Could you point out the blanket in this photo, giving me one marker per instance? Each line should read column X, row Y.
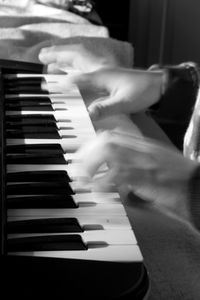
column 24, row 32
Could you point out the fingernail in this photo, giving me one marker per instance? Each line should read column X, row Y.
column 41, row 55
column 94, row 113
column 43, row 50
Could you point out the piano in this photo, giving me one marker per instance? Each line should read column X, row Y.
column 57, row 239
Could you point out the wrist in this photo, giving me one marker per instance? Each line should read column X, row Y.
column 159, row 83
column 162, row 80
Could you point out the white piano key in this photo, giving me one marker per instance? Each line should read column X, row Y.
column 67, row 144
column 95, row 197
column 117, row 253
column 72, row 132
column 73, row 114
column 98, row 209
column 49, row 77
column 71, row 98
column 110, row 237
column 76, row 125
column 89, row 221
column 37, row 167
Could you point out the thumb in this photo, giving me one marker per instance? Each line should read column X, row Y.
column 80, row 79
column 54, row 68
column 104, row 107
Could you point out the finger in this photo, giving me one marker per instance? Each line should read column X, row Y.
column 105, row 182
column 58, row 68
column 57, row 54
column 94, row 155
column 54, row 68
column 101, row 182
column 105, row 107
column 47, row 55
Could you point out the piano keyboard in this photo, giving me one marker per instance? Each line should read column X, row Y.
column 48, row 214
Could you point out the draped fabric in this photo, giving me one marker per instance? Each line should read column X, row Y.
column 23, row 32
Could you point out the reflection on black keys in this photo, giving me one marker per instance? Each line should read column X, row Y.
column 24, row 100
column 35, row 154
column 35, row 128
column 38, row 176
column 41, row 201
column 37, row 133
column 35, row 158
column 26, row 85
column 30, row 119
column 50, row 225
column 28, row 107
column 42, row 188
column 46, row 243
column 16, row 81
column 25, row 89
column 35, row 148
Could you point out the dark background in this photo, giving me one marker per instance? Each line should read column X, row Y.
column 164, row 31
column 115, row 15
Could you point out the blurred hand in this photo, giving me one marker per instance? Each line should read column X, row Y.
column 124, row 90
column 87, row 54
column 149, row 169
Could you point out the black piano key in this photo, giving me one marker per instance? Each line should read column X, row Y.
column 28, row 89
column 32, row 135
column 41, row 201
column 29, row 107
column 38, row 176
column 23, row 100
column 50, row 225
column 34, row 127
column 27, row 84
column 30, row 119
column 15, row 87
column 37, row 133
column 30, row 100
column 34, row 148
column 40, row 133
column 33, row 158
column 29, row 123
column 31, row 80
column 46, row 243
column 31, row 128
column 42, row 188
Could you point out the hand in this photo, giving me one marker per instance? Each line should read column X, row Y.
column 125, row 90
column 149, row 169
column 87, row 54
